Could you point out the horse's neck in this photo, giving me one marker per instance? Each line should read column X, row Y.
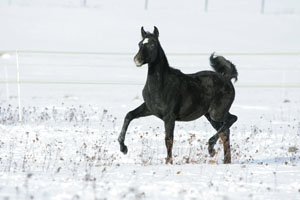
column 158, row 70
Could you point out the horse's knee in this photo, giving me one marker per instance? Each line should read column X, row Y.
column 223, row 117
column 129, row 116
column 169, row 139
column 233, row 118
column 216, row 116
column 230, row 119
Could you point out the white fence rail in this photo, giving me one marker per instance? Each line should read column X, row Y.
column 254, row 6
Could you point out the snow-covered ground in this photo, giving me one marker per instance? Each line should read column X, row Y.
column 74, row 104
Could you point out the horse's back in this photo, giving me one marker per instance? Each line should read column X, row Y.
column 206, row 74
column 213, row 79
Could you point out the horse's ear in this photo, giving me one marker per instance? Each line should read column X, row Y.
column 143, row 32
column 155, row 32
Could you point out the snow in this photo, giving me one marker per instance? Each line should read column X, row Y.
column 74, row 104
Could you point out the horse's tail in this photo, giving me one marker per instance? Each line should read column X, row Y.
column 224, row 67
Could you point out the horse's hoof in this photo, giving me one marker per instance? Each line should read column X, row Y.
column 169, row 161
column 212, row 152
column 124, row 149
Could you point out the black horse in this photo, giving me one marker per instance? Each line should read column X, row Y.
column 173, row 96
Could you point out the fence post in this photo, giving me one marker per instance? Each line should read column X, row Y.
column 6, row 84
column 146, row 4
column 19, row 89
column 84, row 3
column 262, row 9
column 206, row 6
column 6, row 56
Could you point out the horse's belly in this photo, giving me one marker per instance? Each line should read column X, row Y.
column 191, row 115
column 193, row 108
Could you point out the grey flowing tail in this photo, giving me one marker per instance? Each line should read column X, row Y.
column 224, row 67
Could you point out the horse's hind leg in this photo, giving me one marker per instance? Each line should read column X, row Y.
column 223, row 132
column 140, row 111
column 213, row 140
column 225, row 136
column 228, row 121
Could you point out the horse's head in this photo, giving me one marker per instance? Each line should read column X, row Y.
column 148, row 48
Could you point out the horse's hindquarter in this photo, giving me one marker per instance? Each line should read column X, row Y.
column 200, row 90
column 220, row 87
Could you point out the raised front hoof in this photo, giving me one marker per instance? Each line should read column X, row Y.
column 124, row 149
column 169, row 161
column 211, row 151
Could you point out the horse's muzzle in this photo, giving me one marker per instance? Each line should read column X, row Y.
column 137, row 59
column 137, row 62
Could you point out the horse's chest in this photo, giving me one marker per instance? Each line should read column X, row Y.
column 155, row 101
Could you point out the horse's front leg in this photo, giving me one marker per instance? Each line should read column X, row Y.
column 141, row 111
column 169, row 128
